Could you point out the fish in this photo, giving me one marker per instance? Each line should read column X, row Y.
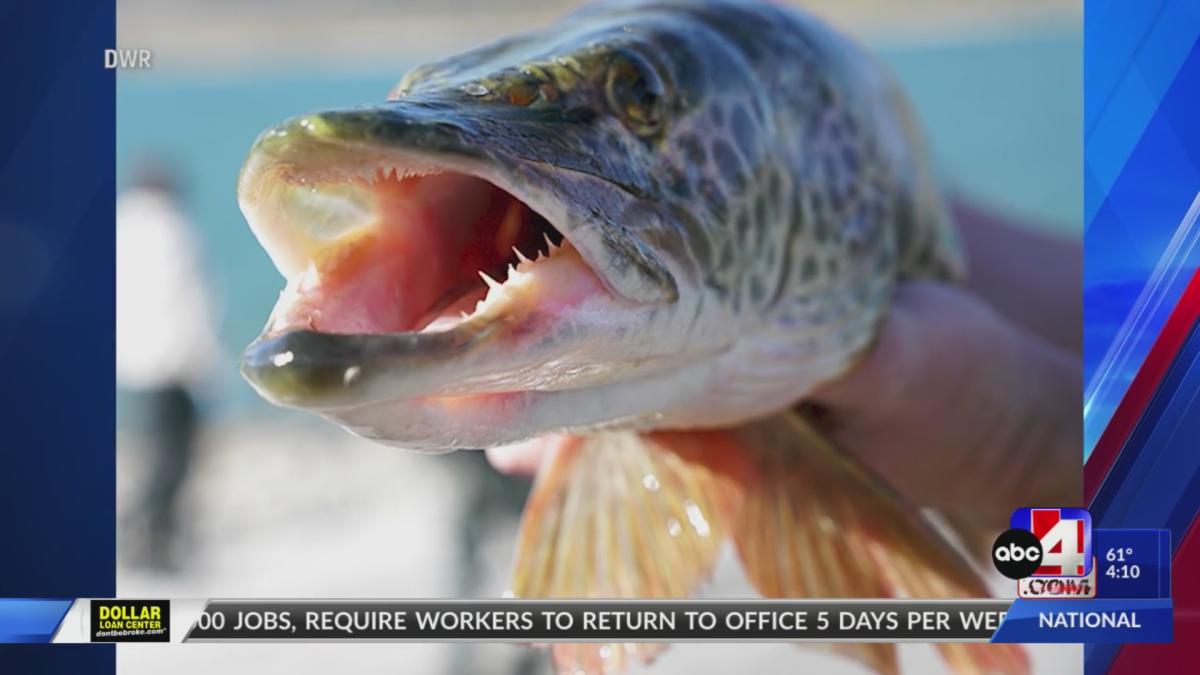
column 641, row 237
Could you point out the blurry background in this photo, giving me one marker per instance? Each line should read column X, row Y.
column 242, row 499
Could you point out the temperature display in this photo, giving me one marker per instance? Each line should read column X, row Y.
column 1133, row 563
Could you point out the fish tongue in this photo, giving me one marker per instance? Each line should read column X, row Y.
column 385, row 276
column 379, row 282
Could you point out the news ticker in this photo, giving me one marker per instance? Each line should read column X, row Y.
column 546, row 621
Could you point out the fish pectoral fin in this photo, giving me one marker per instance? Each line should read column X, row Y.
column 817, row 524
column 618, row 515
column 628, row 515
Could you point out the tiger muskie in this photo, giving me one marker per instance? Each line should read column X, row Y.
column 642, row 234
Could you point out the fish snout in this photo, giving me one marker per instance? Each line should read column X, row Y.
column 303, row 368
column 314, row 370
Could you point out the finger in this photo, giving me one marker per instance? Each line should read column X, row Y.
column 933, row 339
column 951, row 388
column 520, row 459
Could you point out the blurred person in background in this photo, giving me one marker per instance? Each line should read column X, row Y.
column 166, row 344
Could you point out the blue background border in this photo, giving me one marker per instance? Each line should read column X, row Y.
column 1142, row 173
column 57, row 165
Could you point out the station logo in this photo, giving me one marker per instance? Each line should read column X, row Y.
column 1017, row 553
column 1049, row 544
column 131, row 621
column 1066, row 538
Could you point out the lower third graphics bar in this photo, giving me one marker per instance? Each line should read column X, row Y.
column 599, row 621
column 1093, row 620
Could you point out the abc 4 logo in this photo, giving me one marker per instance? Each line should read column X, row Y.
column 1045, row 542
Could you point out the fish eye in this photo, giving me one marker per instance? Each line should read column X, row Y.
column 635, row 93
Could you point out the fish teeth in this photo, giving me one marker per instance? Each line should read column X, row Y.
column 520, row 256
column 491, row 283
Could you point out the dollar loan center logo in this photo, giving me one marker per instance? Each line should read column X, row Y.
column 1049, row 552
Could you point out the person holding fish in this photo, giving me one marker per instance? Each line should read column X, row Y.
column 696, row 254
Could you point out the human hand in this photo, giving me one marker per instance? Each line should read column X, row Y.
column 959, row 408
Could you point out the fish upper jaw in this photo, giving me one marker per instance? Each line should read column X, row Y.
column 303, row 188
column 383, row 239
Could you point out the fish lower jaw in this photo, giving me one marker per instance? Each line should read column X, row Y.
column 447, row 422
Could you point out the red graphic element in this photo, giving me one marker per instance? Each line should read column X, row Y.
column 1166, row 346
column 1079, row 538
column 1041, row 522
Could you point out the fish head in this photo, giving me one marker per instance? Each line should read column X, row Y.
column 511, row 244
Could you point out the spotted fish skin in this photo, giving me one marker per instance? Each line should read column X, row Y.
column 788, row 181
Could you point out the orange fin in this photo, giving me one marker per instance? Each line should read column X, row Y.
column 622, row 514
column 816, row 524
column 614, row 515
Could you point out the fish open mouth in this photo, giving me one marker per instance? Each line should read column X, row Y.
column 406, row 277
column 413, row 252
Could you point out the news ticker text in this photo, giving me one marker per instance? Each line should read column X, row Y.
column 601, row 621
